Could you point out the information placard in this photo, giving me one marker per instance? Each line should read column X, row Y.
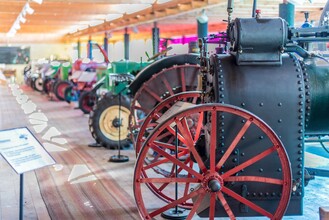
column 23, row 151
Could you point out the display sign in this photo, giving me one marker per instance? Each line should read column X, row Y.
column 23, row 151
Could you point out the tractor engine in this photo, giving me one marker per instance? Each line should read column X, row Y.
column 288, row 93
column 235, row 147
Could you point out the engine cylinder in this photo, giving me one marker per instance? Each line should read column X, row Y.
column 316, row 98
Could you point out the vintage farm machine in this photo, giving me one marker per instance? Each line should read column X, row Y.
column 104, row 120
column 235, row 146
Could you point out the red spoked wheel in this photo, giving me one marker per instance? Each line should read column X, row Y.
column 150, row 121
column 208, row 181
column 170, row 81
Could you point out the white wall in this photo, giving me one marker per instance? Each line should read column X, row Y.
column 38, row 51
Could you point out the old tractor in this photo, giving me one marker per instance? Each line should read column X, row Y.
column 234, row 146
column 104, row 118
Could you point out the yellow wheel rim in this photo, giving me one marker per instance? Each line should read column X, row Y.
column 107, row 121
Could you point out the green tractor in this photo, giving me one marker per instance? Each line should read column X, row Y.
column 104, row 119
column 62, row 82
column 116, row 119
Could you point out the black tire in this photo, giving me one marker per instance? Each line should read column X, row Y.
column 87, row 100
column 103, row 118
column 38, row 84
column 59, row 89
column 47, row 84
column 68, row 94
column 32, row 82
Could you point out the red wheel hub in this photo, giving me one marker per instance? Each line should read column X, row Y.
column 212, row 182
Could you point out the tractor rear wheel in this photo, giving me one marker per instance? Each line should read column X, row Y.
column 38, row 84
column 47, row 85
column 104, row 121
column 59, row 89
column 87, row 100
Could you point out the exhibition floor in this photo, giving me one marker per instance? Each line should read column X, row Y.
column 83, row 184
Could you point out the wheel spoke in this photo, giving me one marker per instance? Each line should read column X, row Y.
column 249, row 162
column 234, row 143
column 182, row 74
column 254, row 179
column 177, row 202
column 169, row 180
column 183, row 128
column 195, row 99
column 168, row 86
column 212, row 206
column 247, row 202
column 213, row 141
column 166, row 134
column 225, row 205
column 179, row 163
column 187, row 185
column 138, row 107
column 159, row 162
column 168, row 146
column 196, row 205
column 188, row 160
column 199, row 127
column 153, row 94
column 180, row 136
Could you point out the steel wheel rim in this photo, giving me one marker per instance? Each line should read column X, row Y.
column 215, row 166
column 39, row 84
column 156, row 113
column 150, row 122
column 106, row 123
column 135, row 119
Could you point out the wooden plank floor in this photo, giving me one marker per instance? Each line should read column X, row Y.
column 83, row 184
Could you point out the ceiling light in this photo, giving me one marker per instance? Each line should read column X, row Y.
column 37, row 1
column 28, row 9
column 16, row 26
column 21, row 18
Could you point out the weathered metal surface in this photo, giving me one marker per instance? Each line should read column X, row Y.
column 317, row 99
column 277, row 98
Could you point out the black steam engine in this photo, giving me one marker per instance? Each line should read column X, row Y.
column 236, row 146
